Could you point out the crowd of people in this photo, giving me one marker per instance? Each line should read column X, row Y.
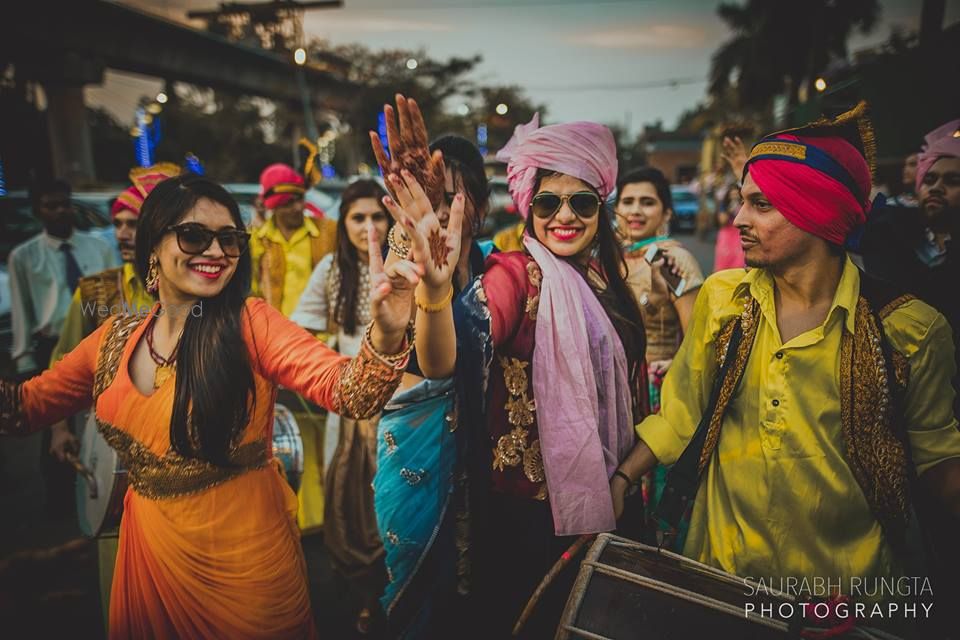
column 470, row 409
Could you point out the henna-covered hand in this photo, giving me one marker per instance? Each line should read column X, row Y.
column 410, row 150
column 435, row 249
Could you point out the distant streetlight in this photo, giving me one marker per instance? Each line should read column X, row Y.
column 162, row 98
column 820, row 84
column 463, row 110
column 300, row 55
column 412, row 64
column 502, row 109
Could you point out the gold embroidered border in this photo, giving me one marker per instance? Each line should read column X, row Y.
column 111, row 349
column 172, row 475
column 781, row 149
column 535, row 277
column 366, row 384
column 13, row 421
column 874, row 452
column 512, row 448
column 748, row 320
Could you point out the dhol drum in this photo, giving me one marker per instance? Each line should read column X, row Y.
column 626, row 589
column 101, row 482
column 287, row 445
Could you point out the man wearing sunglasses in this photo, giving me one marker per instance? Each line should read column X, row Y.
column 287, row 247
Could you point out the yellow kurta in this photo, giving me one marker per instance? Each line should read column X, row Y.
column 81, row 319
column 778, row 499
column 298, row 258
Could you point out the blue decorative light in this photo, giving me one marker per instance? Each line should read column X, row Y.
column 327, row 170
column 3, row 185
column 382, row 132
column 193, row 164
column 482, row 138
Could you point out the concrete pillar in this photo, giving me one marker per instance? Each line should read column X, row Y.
column 70, row 143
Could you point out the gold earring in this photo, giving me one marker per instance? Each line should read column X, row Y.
column 153, row 275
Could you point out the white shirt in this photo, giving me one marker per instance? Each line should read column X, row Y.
column 39, row 295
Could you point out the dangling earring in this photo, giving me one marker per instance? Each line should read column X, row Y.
column 153, row 275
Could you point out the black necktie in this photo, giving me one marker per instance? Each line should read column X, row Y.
column 73, row 268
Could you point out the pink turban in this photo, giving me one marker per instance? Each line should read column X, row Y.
column 144, row 179
column 279, row 184
column 942, row 142
column 821, row 184
column 584, row 150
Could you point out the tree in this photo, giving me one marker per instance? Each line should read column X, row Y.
column 781, row 45
column 381, row 74
column 234, row 137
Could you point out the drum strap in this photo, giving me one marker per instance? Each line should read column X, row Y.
column 683, row 478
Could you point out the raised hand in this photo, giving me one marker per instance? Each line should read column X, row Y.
column 410, row 150
column 735, row 154
column 435, row 249
column 391, row 295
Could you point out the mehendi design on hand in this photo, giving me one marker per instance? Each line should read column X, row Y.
column 439, row 251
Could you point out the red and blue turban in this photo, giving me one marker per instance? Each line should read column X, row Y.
column 818, row 177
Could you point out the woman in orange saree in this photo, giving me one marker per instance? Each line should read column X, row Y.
column 209, row 545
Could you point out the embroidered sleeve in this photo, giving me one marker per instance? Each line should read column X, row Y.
column 367, row 382
column 59, row 392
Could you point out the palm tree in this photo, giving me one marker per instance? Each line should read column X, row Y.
column 780, row 45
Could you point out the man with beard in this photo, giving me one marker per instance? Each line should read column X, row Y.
column 823, row 392
column 112, row 291
column 915, row 250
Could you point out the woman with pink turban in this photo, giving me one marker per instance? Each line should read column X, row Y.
column 560, row 343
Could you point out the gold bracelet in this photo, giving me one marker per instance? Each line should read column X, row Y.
column 395, row 359
column 399, row 247
column 434, row 307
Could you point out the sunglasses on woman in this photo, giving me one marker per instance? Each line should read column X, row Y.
column 585, row 204
column 193, row 239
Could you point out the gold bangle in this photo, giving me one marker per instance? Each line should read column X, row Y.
column 399, row 247
column 394, row 360
column 434, row 307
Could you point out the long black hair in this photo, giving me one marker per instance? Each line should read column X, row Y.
column 465, row 162
column 347, row 256
column 214, row 382
column 616, row 298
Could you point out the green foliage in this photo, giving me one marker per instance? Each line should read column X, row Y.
column 780, row 45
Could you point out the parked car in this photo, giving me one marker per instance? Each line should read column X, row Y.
column 686, row 205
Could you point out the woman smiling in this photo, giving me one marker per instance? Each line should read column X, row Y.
column 563, row 345
column 208, row 542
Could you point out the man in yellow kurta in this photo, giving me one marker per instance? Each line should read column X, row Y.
column 287, row 247
column 285, row 250
column 804, row 471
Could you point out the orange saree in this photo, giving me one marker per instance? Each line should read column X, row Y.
column 204, row 551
